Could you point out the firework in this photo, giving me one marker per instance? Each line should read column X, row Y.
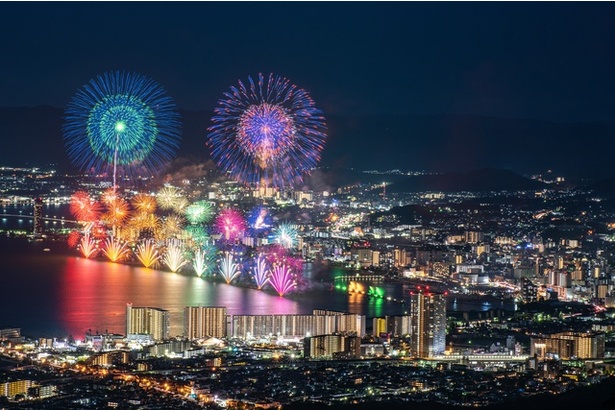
column 268, row 131
column 375, row 292
column 204, row 259
column 143, row 223
column 171, row 198
column 144, row 203
column 199, row 212
column 230, row 224
column 87, row 246
column 148, row 254
column 260, row 219
column 117, row 211
column 282, row 278
column 229, row 270
column 109, row 196
column 84, row 208
column 121, row 120
column 286, row 236
column 73, row 239
column 172, row 225
column 196, row 234
column 261, row 273
column 174, row 256
column 115, row 249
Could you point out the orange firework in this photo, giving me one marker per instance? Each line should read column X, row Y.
column 117, row 212
column 144, row 203
column 115, row 249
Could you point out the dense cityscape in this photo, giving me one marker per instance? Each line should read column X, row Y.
column 548, row 251
column 307, row 205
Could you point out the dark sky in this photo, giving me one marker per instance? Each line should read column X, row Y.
column 549, row 61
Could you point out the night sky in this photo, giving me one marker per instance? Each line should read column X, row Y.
column 552, row 62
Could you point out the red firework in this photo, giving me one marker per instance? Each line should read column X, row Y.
column 83, row 208
column 73, row 239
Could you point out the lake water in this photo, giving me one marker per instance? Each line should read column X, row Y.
column 57, row 293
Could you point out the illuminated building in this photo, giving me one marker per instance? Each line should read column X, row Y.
column 473, row 236
column 529, row 291
column 399, row 325
column 401, row 257
column 321, row 322
column 379, row 326
column 203, row 321
column 147, row 320
column 38, row 217
column 568, row 345
column 13, row 388
column 328, row 346
column 428, row 323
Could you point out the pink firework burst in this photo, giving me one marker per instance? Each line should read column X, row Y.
column 231, row 224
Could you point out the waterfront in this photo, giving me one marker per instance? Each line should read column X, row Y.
column 58, row 293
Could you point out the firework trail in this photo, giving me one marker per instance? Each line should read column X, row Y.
column 204, row 260
column 148, row 254
column 87, row 246
column 115, row 249
column 260, row 271
column 282, row 278
column 174, row 256
column 229, row 270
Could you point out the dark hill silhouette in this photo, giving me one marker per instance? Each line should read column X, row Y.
column 604, row 188
column 435, row 143
column 488, row 179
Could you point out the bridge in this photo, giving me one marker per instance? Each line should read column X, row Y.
column 43, row 218
column 359, row 278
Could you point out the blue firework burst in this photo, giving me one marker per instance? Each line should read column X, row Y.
column 121, row 120
column 267, row 132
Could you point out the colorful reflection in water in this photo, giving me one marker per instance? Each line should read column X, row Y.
column 50, row 294
column 93, row 295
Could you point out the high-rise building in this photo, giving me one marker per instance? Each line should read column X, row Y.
column 321, row 322
column 428, row 323
column 569, row 345
column 379, row 326
column 325, row 346
column 147, row 320
column 399, row 325
column 38, row 217
column 204, row 321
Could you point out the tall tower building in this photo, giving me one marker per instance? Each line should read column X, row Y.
column 204, row 321
column 428, row 323
column 38, row 217
column 147, row 320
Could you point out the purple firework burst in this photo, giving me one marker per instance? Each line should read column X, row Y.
column 267, row 132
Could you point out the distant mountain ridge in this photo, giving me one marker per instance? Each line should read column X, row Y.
column 487, row 179
column 435, row 143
